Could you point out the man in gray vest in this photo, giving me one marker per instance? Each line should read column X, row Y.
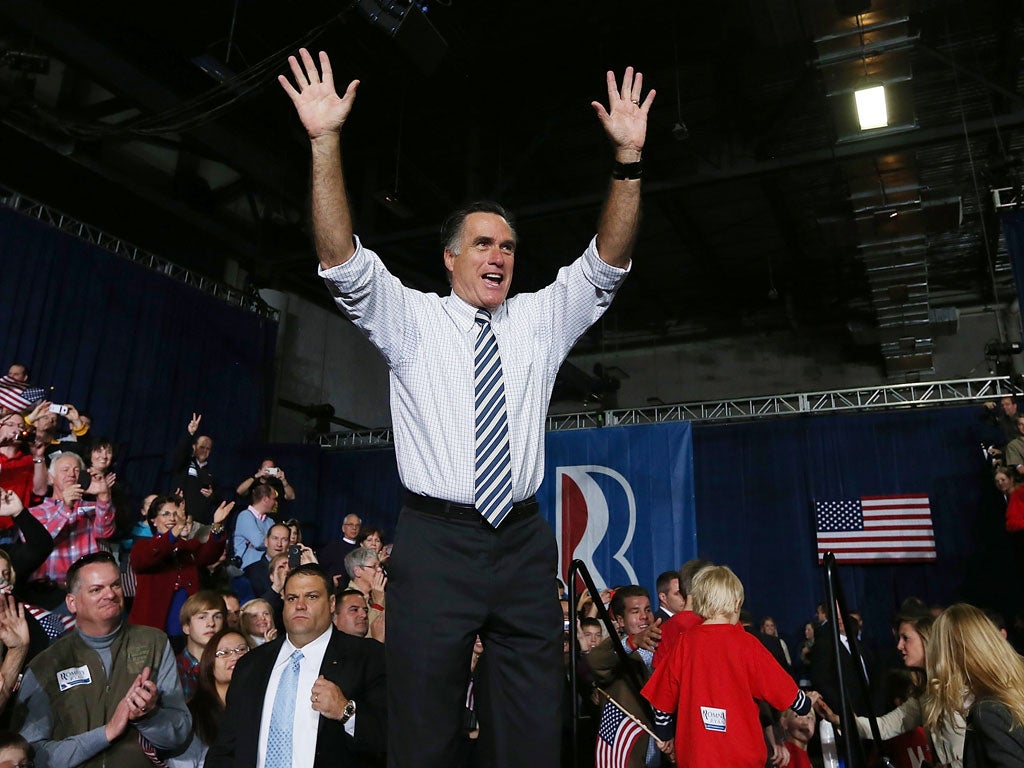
column 107, row 693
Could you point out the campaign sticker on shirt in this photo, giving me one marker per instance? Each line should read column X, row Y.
column 193, row 472
column 72, row 676
column 714, row 718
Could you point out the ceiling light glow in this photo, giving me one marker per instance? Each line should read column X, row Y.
column 871, row 107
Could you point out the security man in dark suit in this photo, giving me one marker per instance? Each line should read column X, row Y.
column 311, row 698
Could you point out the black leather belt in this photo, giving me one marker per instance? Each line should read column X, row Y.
column 449, row 510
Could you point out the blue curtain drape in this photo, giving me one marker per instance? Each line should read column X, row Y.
column 137, row 350
column 757, row 482
column 755, row 489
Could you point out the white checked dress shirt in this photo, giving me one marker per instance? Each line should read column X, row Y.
column 428, row 341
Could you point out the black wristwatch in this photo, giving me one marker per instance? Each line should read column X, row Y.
column 348, row 712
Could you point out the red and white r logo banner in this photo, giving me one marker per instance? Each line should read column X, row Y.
column 583, row 520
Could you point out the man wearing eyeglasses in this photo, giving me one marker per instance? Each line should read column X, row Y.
column 332, row 556
column 107, row 693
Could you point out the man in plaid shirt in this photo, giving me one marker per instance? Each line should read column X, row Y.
column 76, row 525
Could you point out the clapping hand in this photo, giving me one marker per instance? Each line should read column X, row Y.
column 10, row 504
column 142, row 696
column 378, row 584
column 13, row 625
column 222, row 512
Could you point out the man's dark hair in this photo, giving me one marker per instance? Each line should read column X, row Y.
column 311, row 569
column 618, row 604
column 80, row 563
column 341, row 594
column 688, row 570
column 159, row 501
column 13, row 739
column 262, row 491
column 665, row 581
column 451, row 230
column 590, row 621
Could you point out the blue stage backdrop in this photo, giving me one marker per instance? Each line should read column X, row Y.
column 138, row 351
column 621, row 499
column 757, row 483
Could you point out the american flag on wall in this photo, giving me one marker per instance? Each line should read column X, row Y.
column 616, row 737
column 875, row 529
column 16, row 395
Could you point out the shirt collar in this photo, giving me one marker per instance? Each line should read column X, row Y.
column 464, row 313
column 320, row 644
column 261, row 516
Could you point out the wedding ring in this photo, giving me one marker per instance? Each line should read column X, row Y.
column 636, row 101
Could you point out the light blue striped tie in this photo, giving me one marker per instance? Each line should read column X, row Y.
column 493, row 463
column 279, row 738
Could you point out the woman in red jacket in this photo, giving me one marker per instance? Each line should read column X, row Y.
column 167, row 565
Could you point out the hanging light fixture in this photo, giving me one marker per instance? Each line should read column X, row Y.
column 871, row 109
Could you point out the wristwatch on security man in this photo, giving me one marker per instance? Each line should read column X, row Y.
column 348, row 712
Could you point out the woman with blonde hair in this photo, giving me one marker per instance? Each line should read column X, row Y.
column 974, row 672
column 257, row 619
column 947, row 742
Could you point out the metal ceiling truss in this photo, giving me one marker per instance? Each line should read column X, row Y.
column 890, row 397
column 115, row 245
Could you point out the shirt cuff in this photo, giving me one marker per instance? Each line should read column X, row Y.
column 601, row 273
column 345, row 272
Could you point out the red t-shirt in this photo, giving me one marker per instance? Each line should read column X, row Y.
column 797, row 757
column 671, row 632
column 710, row 682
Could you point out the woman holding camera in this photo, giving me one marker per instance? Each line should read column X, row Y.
column 22, row 460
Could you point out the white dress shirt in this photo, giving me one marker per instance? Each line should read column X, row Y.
column 307, row 720
column 428, row 343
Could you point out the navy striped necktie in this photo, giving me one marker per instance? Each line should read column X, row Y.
column 493, row 462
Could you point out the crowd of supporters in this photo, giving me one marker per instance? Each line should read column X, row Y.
column 706, row 684
column 688, row 677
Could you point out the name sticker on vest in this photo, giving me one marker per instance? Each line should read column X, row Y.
column 72, row 676
column 193, row 472
column 714, row 719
